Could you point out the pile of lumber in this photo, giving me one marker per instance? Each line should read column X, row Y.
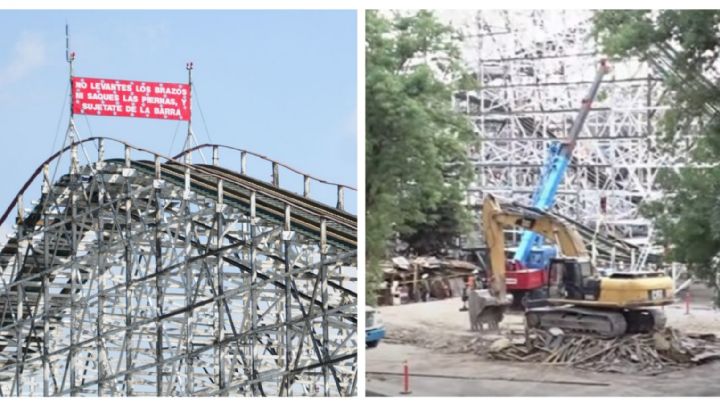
column 636, row 353
column 646, row 354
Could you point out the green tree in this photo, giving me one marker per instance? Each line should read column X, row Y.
column 416, row 145
column 683, row 46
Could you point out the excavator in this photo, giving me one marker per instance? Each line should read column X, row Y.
column 574, row 298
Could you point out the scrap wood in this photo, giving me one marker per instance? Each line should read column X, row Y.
column 647, row 354
column 638, row 353
column 704, row 336
column 705, row 356
column 606, row 349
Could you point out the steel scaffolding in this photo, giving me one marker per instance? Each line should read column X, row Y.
column 149, row 275
column 534, row 67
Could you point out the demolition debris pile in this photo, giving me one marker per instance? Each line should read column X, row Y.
column 635, row 353
column 646, row 354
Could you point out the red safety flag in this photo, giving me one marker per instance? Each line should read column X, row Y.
column 140, row 99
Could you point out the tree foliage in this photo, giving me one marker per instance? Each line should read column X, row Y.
column 684, row 45
column 416, row 146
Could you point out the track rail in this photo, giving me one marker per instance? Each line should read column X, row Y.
column 243, row 159
column 302, row 203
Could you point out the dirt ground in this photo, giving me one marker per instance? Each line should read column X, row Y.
column 423, row 335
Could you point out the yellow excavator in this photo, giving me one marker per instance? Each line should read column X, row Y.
column 574, row 297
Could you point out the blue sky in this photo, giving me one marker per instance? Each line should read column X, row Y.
column 279, row 83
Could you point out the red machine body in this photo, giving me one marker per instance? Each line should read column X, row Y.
column 521, row 279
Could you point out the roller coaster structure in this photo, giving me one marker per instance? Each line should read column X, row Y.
column 151, row 275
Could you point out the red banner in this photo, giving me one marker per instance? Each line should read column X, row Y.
column 141, row 99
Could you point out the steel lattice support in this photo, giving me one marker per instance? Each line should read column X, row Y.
column 534, row 69
column 153, row 277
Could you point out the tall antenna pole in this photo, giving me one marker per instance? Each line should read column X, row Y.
column 190, row 136
column 69, row 58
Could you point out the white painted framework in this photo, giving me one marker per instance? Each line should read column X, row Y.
column 535, row 66
column 144, row 275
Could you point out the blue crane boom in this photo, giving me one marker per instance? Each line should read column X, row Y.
column 553, row 172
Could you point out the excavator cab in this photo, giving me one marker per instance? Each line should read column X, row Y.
column 570, row 278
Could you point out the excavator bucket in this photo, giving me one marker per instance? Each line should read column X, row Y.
column 485, row 310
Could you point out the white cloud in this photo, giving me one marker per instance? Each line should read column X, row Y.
column 30, row 53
